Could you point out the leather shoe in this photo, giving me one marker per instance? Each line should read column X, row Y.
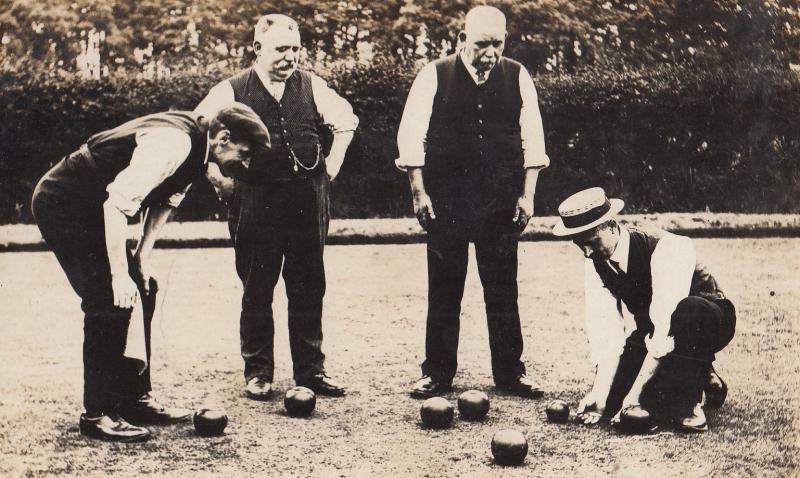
column 321, row 384
column 521, row 386
column 112, row 428
column 147, row 411
column 715, row 390
column 258, row 389
column 695, row 422
column 428, row 387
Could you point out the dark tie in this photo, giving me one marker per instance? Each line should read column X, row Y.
column 616, row 268
column 481, row 76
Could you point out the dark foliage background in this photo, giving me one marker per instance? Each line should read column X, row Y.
column 674, row 105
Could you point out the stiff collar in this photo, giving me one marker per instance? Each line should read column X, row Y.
column 623, row 249
column 275, row 88
column 473, row 72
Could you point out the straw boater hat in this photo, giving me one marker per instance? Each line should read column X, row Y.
column 585, row 210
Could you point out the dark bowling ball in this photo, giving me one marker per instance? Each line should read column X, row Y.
column 509, row 447
column 300, row 401
column 209, row 422
column 636, row 419
column 473, row 405
column 436, row 412
column 557, row 411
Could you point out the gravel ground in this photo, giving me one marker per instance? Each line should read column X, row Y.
column 374, row 336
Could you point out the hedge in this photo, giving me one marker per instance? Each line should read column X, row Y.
column 672, row 138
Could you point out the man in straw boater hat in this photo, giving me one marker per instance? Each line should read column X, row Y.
column 661, row 361
column 82, row 206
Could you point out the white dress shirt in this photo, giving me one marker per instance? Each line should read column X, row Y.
column 609, row 322
column 413, row 131
column 158, row 154
column 335, row 111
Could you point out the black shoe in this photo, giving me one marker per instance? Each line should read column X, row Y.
column 258, row 389
column 716, row 390
column 521, row 386
column 147, row 411
column 695, row 422
column 321, row 384
column 112, row 428
column 428, row 387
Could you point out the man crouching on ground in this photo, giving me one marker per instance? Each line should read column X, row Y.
column 82, row 206
column 663, row 362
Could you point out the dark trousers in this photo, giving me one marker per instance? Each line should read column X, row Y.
column 281, row 226
column 496, row 253
column 74, row 230
column 700, row 328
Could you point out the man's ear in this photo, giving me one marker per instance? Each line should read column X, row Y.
column 462, row 36
column 223, row 136
column 257, row 47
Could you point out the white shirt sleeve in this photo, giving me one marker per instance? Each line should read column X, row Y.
column 672, row 267
column 220, row 96
column 413, row 131
column 530, row 123
column 159, row 152
column 605, row 325
column 336, row 112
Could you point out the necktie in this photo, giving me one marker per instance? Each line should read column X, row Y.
column 481, row 76
column 615, row 267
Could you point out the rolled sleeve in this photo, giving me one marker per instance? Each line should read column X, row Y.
column 220, row 96
column 530, row 123
column 336, row 112
column 672, row 265
column 159, row 152
column 605, row 326
column 413, row 131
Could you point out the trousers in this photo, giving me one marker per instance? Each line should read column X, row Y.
column 74, row 230
column 281, row 227
column 496, row 249
column 700, row 328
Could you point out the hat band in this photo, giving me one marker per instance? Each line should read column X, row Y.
column 587, row 217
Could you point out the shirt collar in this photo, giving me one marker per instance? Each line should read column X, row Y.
column 622, row 251
column 208, row 146
column 473, row 72
column 275, row 88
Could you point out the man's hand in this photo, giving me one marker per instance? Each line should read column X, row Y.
column 141, row 270
column 523, row 212
column 222, row 185
column 423, row 209
column 125, row 291
column 631, row 400
column 590, row 409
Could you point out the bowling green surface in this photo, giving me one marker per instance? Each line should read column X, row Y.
column 374, row 339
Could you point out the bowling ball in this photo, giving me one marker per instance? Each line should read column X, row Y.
column 636, row 419
column 300, row 401
column 209, row 422
column 436, row 412
column 473, row 405
column 509, row 447
column 557, row 411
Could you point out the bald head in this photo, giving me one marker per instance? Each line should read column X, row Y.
column 485, row 17
column 484, row 37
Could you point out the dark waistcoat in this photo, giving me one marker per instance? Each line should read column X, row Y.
column 473, row 157
column 293, row 125
column 107, row 153
column 635, row 286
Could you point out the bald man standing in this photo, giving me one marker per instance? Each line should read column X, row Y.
column 472, row 142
